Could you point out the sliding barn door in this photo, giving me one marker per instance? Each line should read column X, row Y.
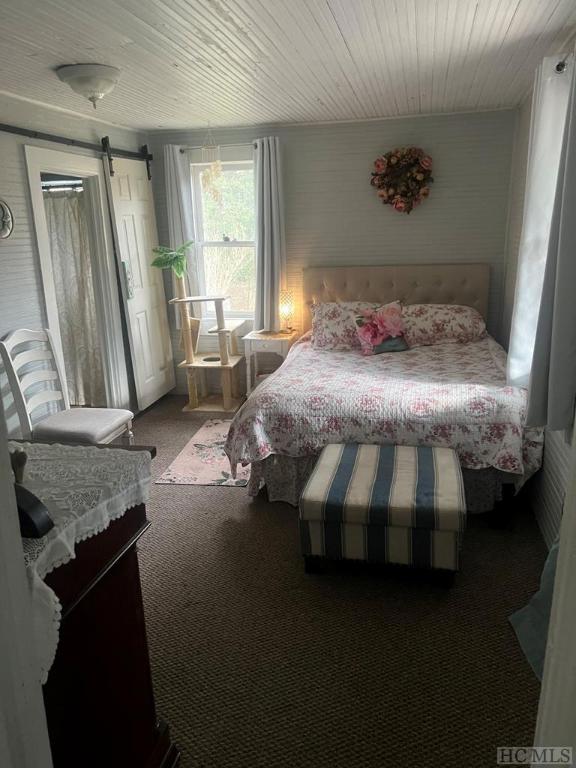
column 144, row 290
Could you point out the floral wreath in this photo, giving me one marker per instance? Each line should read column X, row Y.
column 402, row 177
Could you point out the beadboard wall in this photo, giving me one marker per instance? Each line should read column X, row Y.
column 550, row 484
column 334, row 217
column 21, row 296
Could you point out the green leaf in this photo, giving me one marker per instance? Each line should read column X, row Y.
column 172, row 258
column 179, row 268
column 162, row 262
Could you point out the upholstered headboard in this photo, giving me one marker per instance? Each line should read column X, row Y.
column 410, row 283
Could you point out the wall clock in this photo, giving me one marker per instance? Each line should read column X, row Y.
column 6, row 220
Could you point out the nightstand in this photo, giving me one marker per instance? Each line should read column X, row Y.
column 259, row 341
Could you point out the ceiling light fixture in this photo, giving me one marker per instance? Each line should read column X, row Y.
column 93, row 81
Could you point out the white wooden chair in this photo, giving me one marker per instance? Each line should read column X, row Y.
column 35, row 376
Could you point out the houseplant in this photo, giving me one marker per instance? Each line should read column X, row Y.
column 172, row 258
column 176, row 259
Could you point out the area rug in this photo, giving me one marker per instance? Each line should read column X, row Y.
column 203, row 461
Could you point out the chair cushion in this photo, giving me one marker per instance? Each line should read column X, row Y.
column 83, row 425
column 386, row 485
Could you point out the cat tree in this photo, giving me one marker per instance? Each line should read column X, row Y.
column 197, row 365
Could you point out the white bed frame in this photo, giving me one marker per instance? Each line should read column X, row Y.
column 466, row 284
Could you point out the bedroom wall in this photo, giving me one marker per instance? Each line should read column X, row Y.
column 549, row 486
column 334, row 217
column 21, row 297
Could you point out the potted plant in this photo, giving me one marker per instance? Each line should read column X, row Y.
column 177, row 260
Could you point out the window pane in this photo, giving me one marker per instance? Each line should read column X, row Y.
column 228, row 203
column 231, row 271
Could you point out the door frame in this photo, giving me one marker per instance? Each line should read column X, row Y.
column 555, row 722
column 24, row 739
column 41, row 160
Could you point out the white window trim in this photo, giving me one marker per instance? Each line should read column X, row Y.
column 209, row 311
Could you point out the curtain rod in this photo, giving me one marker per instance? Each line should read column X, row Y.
column 200, row 146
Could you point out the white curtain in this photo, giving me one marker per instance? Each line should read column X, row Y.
column 180, row 211
column 72, row 271
column 549, row 107
column 270, row 233
column 552, row 387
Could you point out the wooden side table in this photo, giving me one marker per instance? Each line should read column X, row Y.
column 259, row 341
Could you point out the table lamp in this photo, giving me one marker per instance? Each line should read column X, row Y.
column 286, row 310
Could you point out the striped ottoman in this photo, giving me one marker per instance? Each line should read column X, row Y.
column 384, row 504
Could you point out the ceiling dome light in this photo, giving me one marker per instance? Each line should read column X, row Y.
column 93, row 81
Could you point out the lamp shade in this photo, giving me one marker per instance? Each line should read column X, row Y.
column 286, row 309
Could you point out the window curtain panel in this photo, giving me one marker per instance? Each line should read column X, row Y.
column 70, row 253
column 531, row 622
column 270, row 233
column 549, row 107
column 180, row 212
column 552, row 379
column 552, row 387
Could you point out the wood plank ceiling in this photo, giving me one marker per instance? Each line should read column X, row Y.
column 187, row 63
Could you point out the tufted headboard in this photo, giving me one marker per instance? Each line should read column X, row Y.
column 410, row 283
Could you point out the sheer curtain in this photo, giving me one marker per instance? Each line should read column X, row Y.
column 72, row 270
column 549, row 106
column 270, row 235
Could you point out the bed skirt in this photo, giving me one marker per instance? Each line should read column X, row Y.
column 286, row 476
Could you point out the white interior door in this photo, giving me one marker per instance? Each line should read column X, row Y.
column 144, row 289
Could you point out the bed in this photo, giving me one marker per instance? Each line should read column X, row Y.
column 448, row 394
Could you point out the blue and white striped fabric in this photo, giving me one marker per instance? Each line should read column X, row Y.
column 395, row 504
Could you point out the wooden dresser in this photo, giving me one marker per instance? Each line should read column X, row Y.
column 99, row 698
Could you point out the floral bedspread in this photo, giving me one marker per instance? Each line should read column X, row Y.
column 448, row 394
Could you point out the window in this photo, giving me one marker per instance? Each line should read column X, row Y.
column 224, row 222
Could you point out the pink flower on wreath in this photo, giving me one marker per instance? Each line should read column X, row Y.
column 426, row 162
column 380, row 164
column 399, row 205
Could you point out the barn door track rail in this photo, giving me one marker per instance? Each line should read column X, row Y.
column 103, row 148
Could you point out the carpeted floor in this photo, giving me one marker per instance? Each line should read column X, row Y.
column 256, row 664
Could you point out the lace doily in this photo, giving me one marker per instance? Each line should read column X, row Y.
column 83, row 488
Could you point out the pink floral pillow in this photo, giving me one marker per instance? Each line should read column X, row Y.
column 426, row 324
column 381, row 329
column 334, row 324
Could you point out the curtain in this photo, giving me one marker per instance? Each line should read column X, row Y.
column 270, row 235
column 549, row 106
column 550, row 359
column 180, row 211
column 72, row 271
column 552, row 387
column 531, row 622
